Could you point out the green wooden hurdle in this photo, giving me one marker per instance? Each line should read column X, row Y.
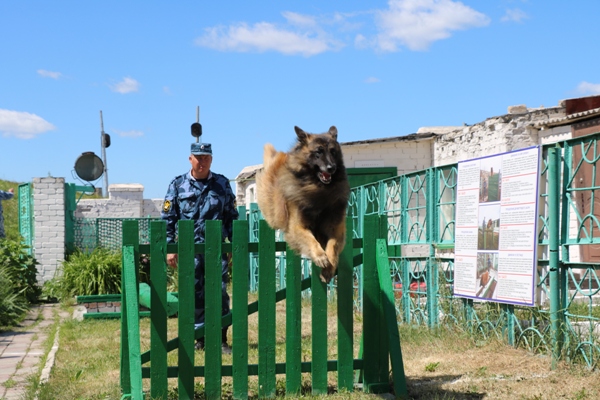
column 378, row 327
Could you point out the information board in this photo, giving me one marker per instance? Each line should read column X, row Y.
column 496, row 219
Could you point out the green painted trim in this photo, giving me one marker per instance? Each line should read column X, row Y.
column 252, row 370
column 112, row 315
column 99, row 298
column 370, row 171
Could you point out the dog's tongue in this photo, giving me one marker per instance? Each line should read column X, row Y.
column 325, row 177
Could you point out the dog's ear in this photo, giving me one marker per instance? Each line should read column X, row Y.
column 333, row 132
column 302, row 136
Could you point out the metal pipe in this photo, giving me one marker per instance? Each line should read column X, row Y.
column 553, row 247
column 105, row 190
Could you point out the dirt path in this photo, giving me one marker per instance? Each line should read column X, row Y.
column 493, row 372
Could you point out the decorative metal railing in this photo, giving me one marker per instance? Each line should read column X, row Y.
column 419, row 208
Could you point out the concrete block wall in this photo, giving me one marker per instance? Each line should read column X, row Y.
column 407, row 156
column 124, row 201
column 152, row 207
column 49, row 225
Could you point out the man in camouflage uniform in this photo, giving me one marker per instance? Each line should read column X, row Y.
column 201, row 195
column 4, row 196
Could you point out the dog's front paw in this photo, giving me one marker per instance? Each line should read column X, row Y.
column 327, row 269
column 322, row 261
column 327, row 274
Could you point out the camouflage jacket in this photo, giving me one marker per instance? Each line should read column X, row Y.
column 188, row 198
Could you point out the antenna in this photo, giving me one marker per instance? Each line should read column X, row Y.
column 104, row 143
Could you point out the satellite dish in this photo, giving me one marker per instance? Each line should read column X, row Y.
column 89, row 166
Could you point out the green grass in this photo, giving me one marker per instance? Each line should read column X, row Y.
column 87, row 362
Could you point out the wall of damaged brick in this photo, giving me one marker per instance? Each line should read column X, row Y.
column 515, row 130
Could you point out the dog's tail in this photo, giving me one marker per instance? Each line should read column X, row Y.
column 268, row 155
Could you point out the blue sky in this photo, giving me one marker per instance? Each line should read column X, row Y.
column 373, row 69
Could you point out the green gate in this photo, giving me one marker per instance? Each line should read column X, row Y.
column 380, row 330
column 26, row 215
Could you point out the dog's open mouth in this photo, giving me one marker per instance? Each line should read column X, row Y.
column 324, row 177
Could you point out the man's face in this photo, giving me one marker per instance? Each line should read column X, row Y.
column 200, row 165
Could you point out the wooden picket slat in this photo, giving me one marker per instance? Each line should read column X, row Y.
column 240, row 282
column 186, row 309
column 266, row 311
column 293, row 330
column 345, row 309
column 158, row 305
column 319, row 332
column 133, row 323
column 389, row 308
column 213, row 301
column 374, row 333
column 131, row 238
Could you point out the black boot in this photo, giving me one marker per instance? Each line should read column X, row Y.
column 224, row 346
column 199, row 344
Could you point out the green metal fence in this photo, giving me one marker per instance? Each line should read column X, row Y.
column 89, row 233
column 420, row 209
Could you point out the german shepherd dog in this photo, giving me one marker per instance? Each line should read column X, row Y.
column 304, row 192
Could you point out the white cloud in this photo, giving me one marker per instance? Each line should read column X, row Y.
column 361, row 42
column 301, row 36
column 132, row 133
column 49, row 74
column 127, row 85
column 23, row 125
column 587, row 88
column 372, row 79
column 514, row 15
column 416, row 24
column 300, row 19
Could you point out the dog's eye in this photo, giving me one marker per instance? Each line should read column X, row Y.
column 319, row 150
column 333, row 152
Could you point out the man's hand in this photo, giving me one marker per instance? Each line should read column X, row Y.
column 172, row 260
column 11, row 190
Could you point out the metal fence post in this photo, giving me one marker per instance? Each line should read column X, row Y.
column 554, row 240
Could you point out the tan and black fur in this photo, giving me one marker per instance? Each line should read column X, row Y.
column 304, row 192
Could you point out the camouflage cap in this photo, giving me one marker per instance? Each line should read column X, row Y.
column 199, row 149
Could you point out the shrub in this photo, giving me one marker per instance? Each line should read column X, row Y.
column 21, row 268
column 84, row 274
column 18, row 284
column 13, row 305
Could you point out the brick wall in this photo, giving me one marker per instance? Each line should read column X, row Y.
column 512, row 131
column 49, row 228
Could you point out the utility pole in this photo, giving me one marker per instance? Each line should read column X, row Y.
column 104, row 143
